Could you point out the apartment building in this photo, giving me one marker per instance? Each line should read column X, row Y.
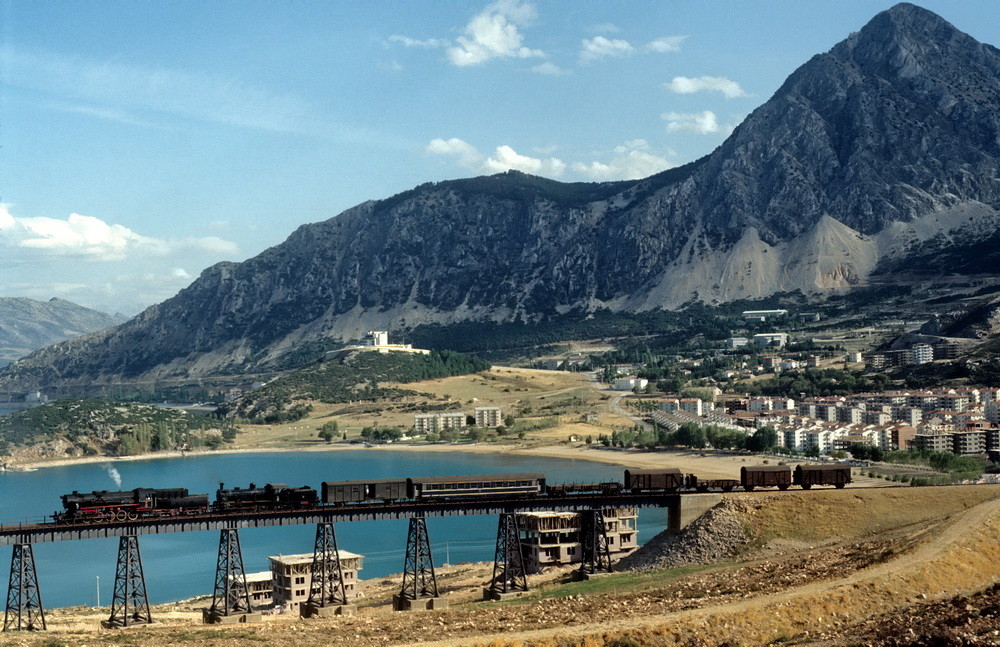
column 629, row 383
column 488, row 416
column 935, row 442
column 991, row 411
column 922, row 353
column 425, row 423
column 691, row 405
column 757, row 404
column 969, row 442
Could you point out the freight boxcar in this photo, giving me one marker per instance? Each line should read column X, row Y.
column 704, row 485
column 337, row 492
column 657, row 479
column 779, row 476
column 475, row 485
column 807, row 476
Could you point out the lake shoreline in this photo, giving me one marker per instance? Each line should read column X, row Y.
column 709, row 463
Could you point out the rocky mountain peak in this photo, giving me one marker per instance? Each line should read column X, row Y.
column 887, row 144
column 908, row 41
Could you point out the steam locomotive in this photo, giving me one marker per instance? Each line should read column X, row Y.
column 130, row 505
column 104, row 506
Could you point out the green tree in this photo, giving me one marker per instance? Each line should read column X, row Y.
column 328, row 431
column 691, row 434
column 763, row 439
column 229, row 432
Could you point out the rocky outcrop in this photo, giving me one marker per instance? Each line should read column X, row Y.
column 867, row 156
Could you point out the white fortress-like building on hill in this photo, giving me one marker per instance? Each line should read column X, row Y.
column 378, row 340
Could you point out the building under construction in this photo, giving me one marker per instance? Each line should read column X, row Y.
column 553, row 538
column 286, row 585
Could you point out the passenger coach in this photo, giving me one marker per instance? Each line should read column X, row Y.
column 476, row 485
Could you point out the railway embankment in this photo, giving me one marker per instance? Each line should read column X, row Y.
column 718, row 535
column 744, row 525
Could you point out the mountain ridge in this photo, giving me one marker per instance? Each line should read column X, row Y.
column 887, row 143
column 27, row 324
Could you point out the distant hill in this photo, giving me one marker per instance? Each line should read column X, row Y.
column 868, row 158
column 359, row 376
column 27, row 325
column 78, row 427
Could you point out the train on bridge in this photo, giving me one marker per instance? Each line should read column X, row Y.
column 144, row 503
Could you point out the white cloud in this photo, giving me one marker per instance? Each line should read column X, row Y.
column 506, row 158
column 549, row 68
column 430, row 43
column 629, row 161
column 599, row 48
column 92, row 238
column 495, row 33
column 179, row 273
column 77, row 235
column 6, row 220
column 685, row 85
column 467, row 155
column 632, row 144
column 632, row 161
column 666, row 44
column 703, row 123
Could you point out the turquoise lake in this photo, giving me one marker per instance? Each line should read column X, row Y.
column 182, row 565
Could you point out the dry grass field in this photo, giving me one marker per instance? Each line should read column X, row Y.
column 527, row 394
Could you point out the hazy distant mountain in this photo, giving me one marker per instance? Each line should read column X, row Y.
column 869, row 155
column 27, row 325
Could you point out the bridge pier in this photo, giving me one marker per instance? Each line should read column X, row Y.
column 130, row 605
column 419, row 591
column 327, row 596
column 594, row 537
column 24, row 599
column 231, row 598
column 674, row 519
column 509, row 575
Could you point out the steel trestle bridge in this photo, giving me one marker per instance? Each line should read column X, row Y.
column 231, row 601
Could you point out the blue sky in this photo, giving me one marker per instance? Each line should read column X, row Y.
column 144, row 141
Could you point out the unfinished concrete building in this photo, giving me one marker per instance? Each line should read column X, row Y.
column 553, row 538
column 291, row 577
